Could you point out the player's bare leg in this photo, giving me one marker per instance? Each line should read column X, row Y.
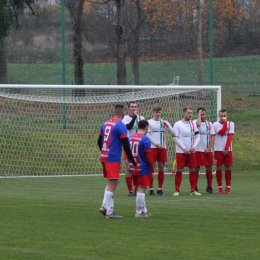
column 219, row 178
column 228, row 178
column 160, row 178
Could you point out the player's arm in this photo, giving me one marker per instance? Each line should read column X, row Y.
column 197, row 140
column 99, row 142
column 127, row 149
column 231, row 133
column 223, row 130
column 130, row 125
column 198, row 122
column 149, row 135
column 211, row 142
column 171, row 130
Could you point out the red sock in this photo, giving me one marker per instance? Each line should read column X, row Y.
column 209, row 178
column 219, row 178
column 228, row 177
column 160, row 179
column 197, row 179
column 151, row 183
column 193, row 180
column 135, row 182
column 129, row 181
column 178, row 179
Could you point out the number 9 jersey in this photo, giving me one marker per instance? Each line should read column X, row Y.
column 112, row 131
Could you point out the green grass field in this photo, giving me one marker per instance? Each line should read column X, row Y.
column 58, row 218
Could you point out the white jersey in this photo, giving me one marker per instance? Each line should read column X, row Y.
column 185, row 132
column 157, row 132
column 127, row 119
column 221, row 140
column 205, row 130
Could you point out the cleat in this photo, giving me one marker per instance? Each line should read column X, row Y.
column 151, row 193
column 114, row 215
column 209, row 190
column 103, row 211
column 147, row 213
column 142, row 215
column 176, row 193
column 197, row 189
column 195, row 193
column 131, row 193
column 135, row 193
column 173, row 172
column 160, row 192
column 220, row 190
column 227, row 190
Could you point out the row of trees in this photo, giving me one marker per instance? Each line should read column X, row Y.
column 128, row 28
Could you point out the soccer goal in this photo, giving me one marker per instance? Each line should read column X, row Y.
column 53, row 130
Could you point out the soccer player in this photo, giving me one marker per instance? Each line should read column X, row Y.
column 157, row 134
column 141, row 149
column 112, row 136
column 187, row 138
column 224, row 131
column 131, row 121
column 204, row 155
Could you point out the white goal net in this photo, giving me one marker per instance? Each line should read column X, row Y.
column 53, row 130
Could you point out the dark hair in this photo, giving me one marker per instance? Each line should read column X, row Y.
column 222, row 110
column 142, row 124
column 186, row 108
column 157, row 109
column 200, row 108
column 131, row 102
column 119, row 110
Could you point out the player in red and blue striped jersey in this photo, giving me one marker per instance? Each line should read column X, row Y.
column 141, row 149
column 112, row 137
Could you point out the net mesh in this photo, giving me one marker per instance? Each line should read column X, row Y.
column 53, row 132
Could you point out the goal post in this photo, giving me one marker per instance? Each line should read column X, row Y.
column 52, row 130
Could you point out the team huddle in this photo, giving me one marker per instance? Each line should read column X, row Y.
column 144, row 144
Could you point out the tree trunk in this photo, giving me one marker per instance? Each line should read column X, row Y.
column 136, row 44
column 199, row 44
column 120, row 43
column 3, row 61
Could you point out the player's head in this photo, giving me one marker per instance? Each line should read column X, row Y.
column 143, row 126
column 132, row 108
column 187, row 113
column 202, row 112
column 119, row 111
column 157, row 111
column 222, row 115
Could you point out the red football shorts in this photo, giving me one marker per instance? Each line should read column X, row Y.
column 220, row 159
column 159, row 155
column 144, row 180
column 203, row 159
column 186, row 160
column 111, row 170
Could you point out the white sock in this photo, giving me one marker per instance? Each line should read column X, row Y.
column 104, row 199
column 109, row 198
column 140, row 202
column 144, row 207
